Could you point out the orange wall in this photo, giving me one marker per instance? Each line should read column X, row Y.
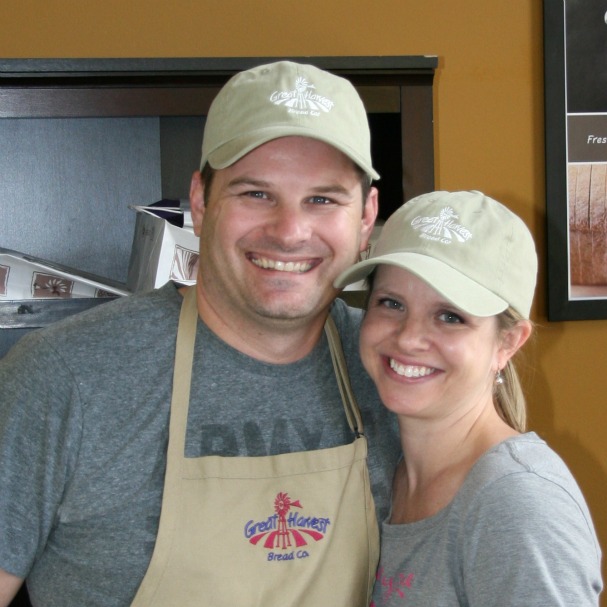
column 489, row 131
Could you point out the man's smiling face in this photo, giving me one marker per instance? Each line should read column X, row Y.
column 276, row 229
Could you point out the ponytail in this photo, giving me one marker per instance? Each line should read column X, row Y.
column 509, row 398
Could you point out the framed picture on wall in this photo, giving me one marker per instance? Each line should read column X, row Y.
column 575, row 74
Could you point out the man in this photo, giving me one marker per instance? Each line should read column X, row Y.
column 227, row 466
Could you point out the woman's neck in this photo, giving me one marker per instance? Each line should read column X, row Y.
column 437, row 459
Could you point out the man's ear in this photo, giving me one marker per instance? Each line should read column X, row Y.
column 370, row 210
column 197, row 201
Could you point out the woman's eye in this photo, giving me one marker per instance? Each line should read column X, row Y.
column 391, row 304
column 451, row 317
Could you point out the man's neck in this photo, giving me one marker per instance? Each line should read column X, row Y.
column 276, row 341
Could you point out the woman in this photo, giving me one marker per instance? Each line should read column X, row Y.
column 482, row 513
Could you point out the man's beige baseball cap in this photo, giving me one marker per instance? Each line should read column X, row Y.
column 283, row 99
column 470, row 248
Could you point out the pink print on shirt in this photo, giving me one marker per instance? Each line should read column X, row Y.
column 392, row 587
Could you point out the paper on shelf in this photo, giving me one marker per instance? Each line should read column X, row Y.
column 23, row 276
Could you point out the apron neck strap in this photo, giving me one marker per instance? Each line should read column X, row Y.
column 182, row 372
column 184, row 358
column 343, row 379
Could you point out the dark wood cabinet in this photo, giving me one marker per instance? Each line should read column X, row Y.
column 82, row 139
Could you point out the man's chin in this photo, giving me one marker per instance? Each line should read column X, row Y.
column 289, row 309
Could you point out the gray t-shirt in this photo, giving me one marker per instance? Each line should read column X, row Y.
column 83, row 433
column 518, row 532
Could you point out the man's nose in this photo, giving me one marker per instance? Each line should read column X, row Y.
column 289, row 225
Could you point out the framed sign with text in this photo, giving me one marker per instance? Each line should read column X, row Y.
column 575, row 76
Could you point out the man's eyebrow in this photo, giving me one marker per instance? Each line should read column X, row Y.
column 335, row 188
column 248, row 181
column 330, row 189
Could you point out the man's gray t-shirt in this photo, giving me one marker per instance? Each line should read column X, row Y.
column 518, row 533
column 84, row 426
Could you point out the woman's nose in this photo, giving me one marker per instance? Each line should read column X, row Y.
column 411, row 333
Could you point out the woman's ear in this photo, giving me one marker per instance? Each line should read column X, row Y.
column 512, row 340
column 197, row 201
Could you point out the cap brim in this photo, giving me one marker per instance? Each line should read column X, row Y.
column 233, row 150
column 463, row 292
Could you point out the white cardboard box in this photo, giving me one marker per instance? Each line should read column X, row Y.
column 161, row 250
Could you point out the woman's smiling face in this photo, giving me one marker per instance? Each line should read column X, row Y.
column 428, row 358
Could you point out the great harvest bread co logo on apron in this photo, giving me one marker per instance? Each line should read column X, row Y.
column 286, row 530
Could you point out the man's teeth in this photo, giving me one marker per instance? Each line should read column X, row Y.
column 281, row 266
column 409, row 370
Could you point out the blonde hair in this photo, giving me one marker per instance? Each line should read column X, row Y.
column 508, row 396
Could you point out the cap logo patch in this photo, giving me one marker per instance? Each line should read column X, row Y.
column 442, row 228
column 302, row 99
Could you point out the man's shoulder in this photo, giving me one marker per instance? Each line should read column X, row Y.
column 150, row 306
column 130, row 315
column 347, row 318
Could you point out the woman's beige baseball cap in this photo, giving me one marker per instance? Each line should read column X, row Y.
column 470, row 248
column 284, row 99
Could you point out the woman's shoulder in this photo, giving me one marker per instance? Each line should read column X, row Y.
column 520, row 504
column 523, row 481
column 524, row 463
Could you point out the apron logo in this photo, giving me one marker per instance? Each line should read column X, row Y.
column 286, row 529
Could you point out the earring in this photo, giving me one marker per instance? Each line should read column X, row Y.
column 499, row 379
column 365, row 254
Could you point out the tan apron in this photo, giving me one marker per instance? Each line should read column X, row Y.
column 290, row 530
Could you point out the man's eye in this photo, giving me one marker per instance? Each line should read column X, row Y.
column 255, row 194
column 320, row 200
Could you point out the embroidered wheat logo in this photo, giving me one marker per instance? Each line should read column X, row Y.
column 302, row 99
column 442, row 227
